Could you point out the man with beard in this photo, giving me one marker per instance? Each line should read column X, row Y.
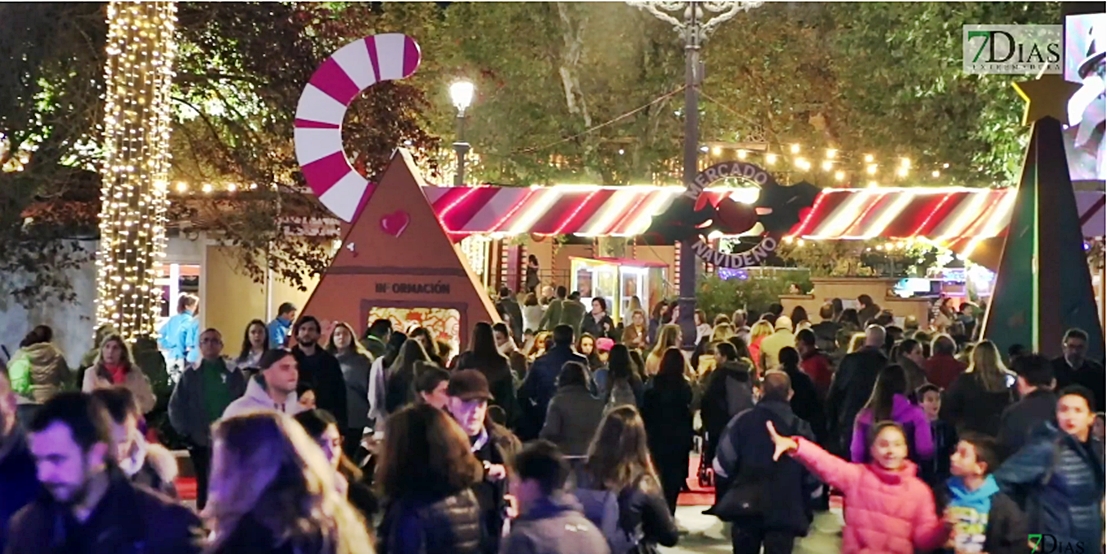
column 319, row 371
column 18, row 484
column 1074, row 368
column 91, row 507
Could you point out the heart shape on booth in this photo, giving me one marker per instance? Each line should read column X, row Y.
column 395, row 223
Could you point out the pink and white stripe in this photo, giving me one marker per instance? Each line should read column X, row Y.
column 317, row 133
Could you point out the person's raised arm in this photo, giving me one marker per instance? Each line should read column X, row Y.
column 829, row 468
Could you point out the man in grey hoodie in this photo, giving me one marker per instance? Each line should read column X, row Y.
column 274, row 388
column 550, row 520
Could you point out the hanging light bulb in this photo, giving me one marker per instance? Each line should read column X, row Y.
column 839, row 175
column 771, row 159
column 869, row 158
column 795, row 148
column 830, row 153
column 742, row 154
column 872, row 169
column 827, row 165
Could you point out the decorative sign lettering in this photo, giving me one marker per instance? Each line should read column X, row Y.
column 731, row 210
column 412, row 288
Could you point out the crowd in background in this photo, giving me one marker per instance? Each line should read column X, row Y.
column 556, row 430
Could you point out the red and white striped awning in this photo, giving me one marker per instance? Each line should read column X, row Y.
column 939, row 214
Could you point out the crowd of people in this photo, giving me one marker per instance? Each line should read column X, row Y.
column 574, row 436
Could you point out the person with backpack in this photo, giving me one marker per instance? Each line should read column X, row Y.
column 728, row 393
column 619, row 489
column 620, row 383
column 573, row 415
column 1059, row 475
column 767, row 501
column 550, row 520
column 889, row 403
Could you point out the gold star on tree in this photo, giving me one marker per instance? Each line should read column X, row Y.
column 1046, row 96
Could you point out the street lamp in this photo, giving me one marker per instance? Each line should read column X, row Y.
column 694, row 31
column 462, row 94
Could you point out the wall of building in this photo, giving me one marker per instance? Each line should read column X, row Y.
column 73, row 322
column 230, row 299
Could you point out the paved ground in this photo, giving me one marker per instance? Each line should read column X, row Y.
column 707, row 535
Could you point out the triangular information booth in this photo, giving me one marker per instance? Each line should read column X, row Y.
column 395, row 258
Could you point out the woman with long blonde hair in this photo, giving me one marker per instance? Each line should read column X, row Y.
column 976, row 399
column 618, row 463
column 761, row 330
column 670, row 335
column 272, row 490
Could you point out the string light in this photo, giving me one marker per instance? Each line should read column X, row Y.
column 936, row 174
column 869, row 158
column 902, row 171
column 716, row 150
column 839, row 175
column 827, row 165
column 137, row 76
column 795, row 148
column 830, row 153
column 771, row 159
column 906, row 163
column 742, row 154
column 872, row 169
column 802, row 164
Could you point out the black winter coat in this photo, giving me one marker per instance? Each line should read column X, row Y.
column 1090, row 374
column 851, row 387
column 806, row 402
column 744, row 455
column 643, row 511
column 321, row 374
column 426, row 524
column 970, row 407
column 669, row 422
column 715, row 412
column 127, row 520
column 1020, row 419
column 538, row 388
column 251, row 537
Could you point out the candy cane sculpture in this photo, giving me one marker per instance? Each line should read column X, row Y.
column 317, row 134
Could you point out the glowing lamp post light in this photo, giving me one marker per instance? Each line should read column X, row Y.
column 691, row 24
column 462, row 94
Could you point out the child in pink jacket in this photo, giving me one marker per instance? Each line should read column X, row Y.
column 887, row 509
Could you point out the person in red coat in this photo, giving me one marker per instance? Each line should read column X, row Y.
column 942, row 368
column 814, row 362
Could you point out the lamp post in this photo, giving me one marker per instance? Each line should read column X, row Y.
column 462, row 94
column 694, row 31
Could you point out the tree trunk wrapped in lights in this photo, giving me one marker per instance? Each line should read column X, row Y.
column 134, row 174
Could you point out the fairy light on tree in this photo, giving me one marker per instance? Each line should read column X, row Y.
column 136, row 140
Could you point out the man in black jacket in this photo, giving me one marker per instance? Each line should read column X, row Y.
column 468, row 402
column 1074, row 368
column 539, row 386
column 90, row 507
column 1035, row 383
column 851, row 387
column 778, row 492
column 319, row 371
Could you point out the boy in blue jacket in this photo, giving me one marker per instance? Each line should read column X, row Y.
column 983, row 518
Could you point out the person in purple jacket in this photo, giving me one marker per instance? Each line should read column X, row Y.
column 889, row 403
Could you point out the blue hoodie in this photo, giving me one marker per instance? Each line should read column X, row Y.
column 973, row 510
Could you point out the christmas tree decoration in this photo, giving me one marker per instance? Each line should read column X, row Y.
column 1046, row 97
column 136, row 141
column 1044, row 282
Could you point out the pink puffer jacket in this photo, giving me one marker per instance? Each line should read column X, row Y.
column 885, row 512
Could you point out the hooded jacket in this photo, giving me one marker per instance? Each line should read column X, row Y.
column 38, row 372
column 1061, row 483
column 728, row 393
column 554, row 525
column 988, row 521
column 256, row 398
column 889, row 512
column 905, row 414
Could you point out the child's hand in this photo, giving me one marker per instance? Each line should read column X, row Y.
column 783, row 445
